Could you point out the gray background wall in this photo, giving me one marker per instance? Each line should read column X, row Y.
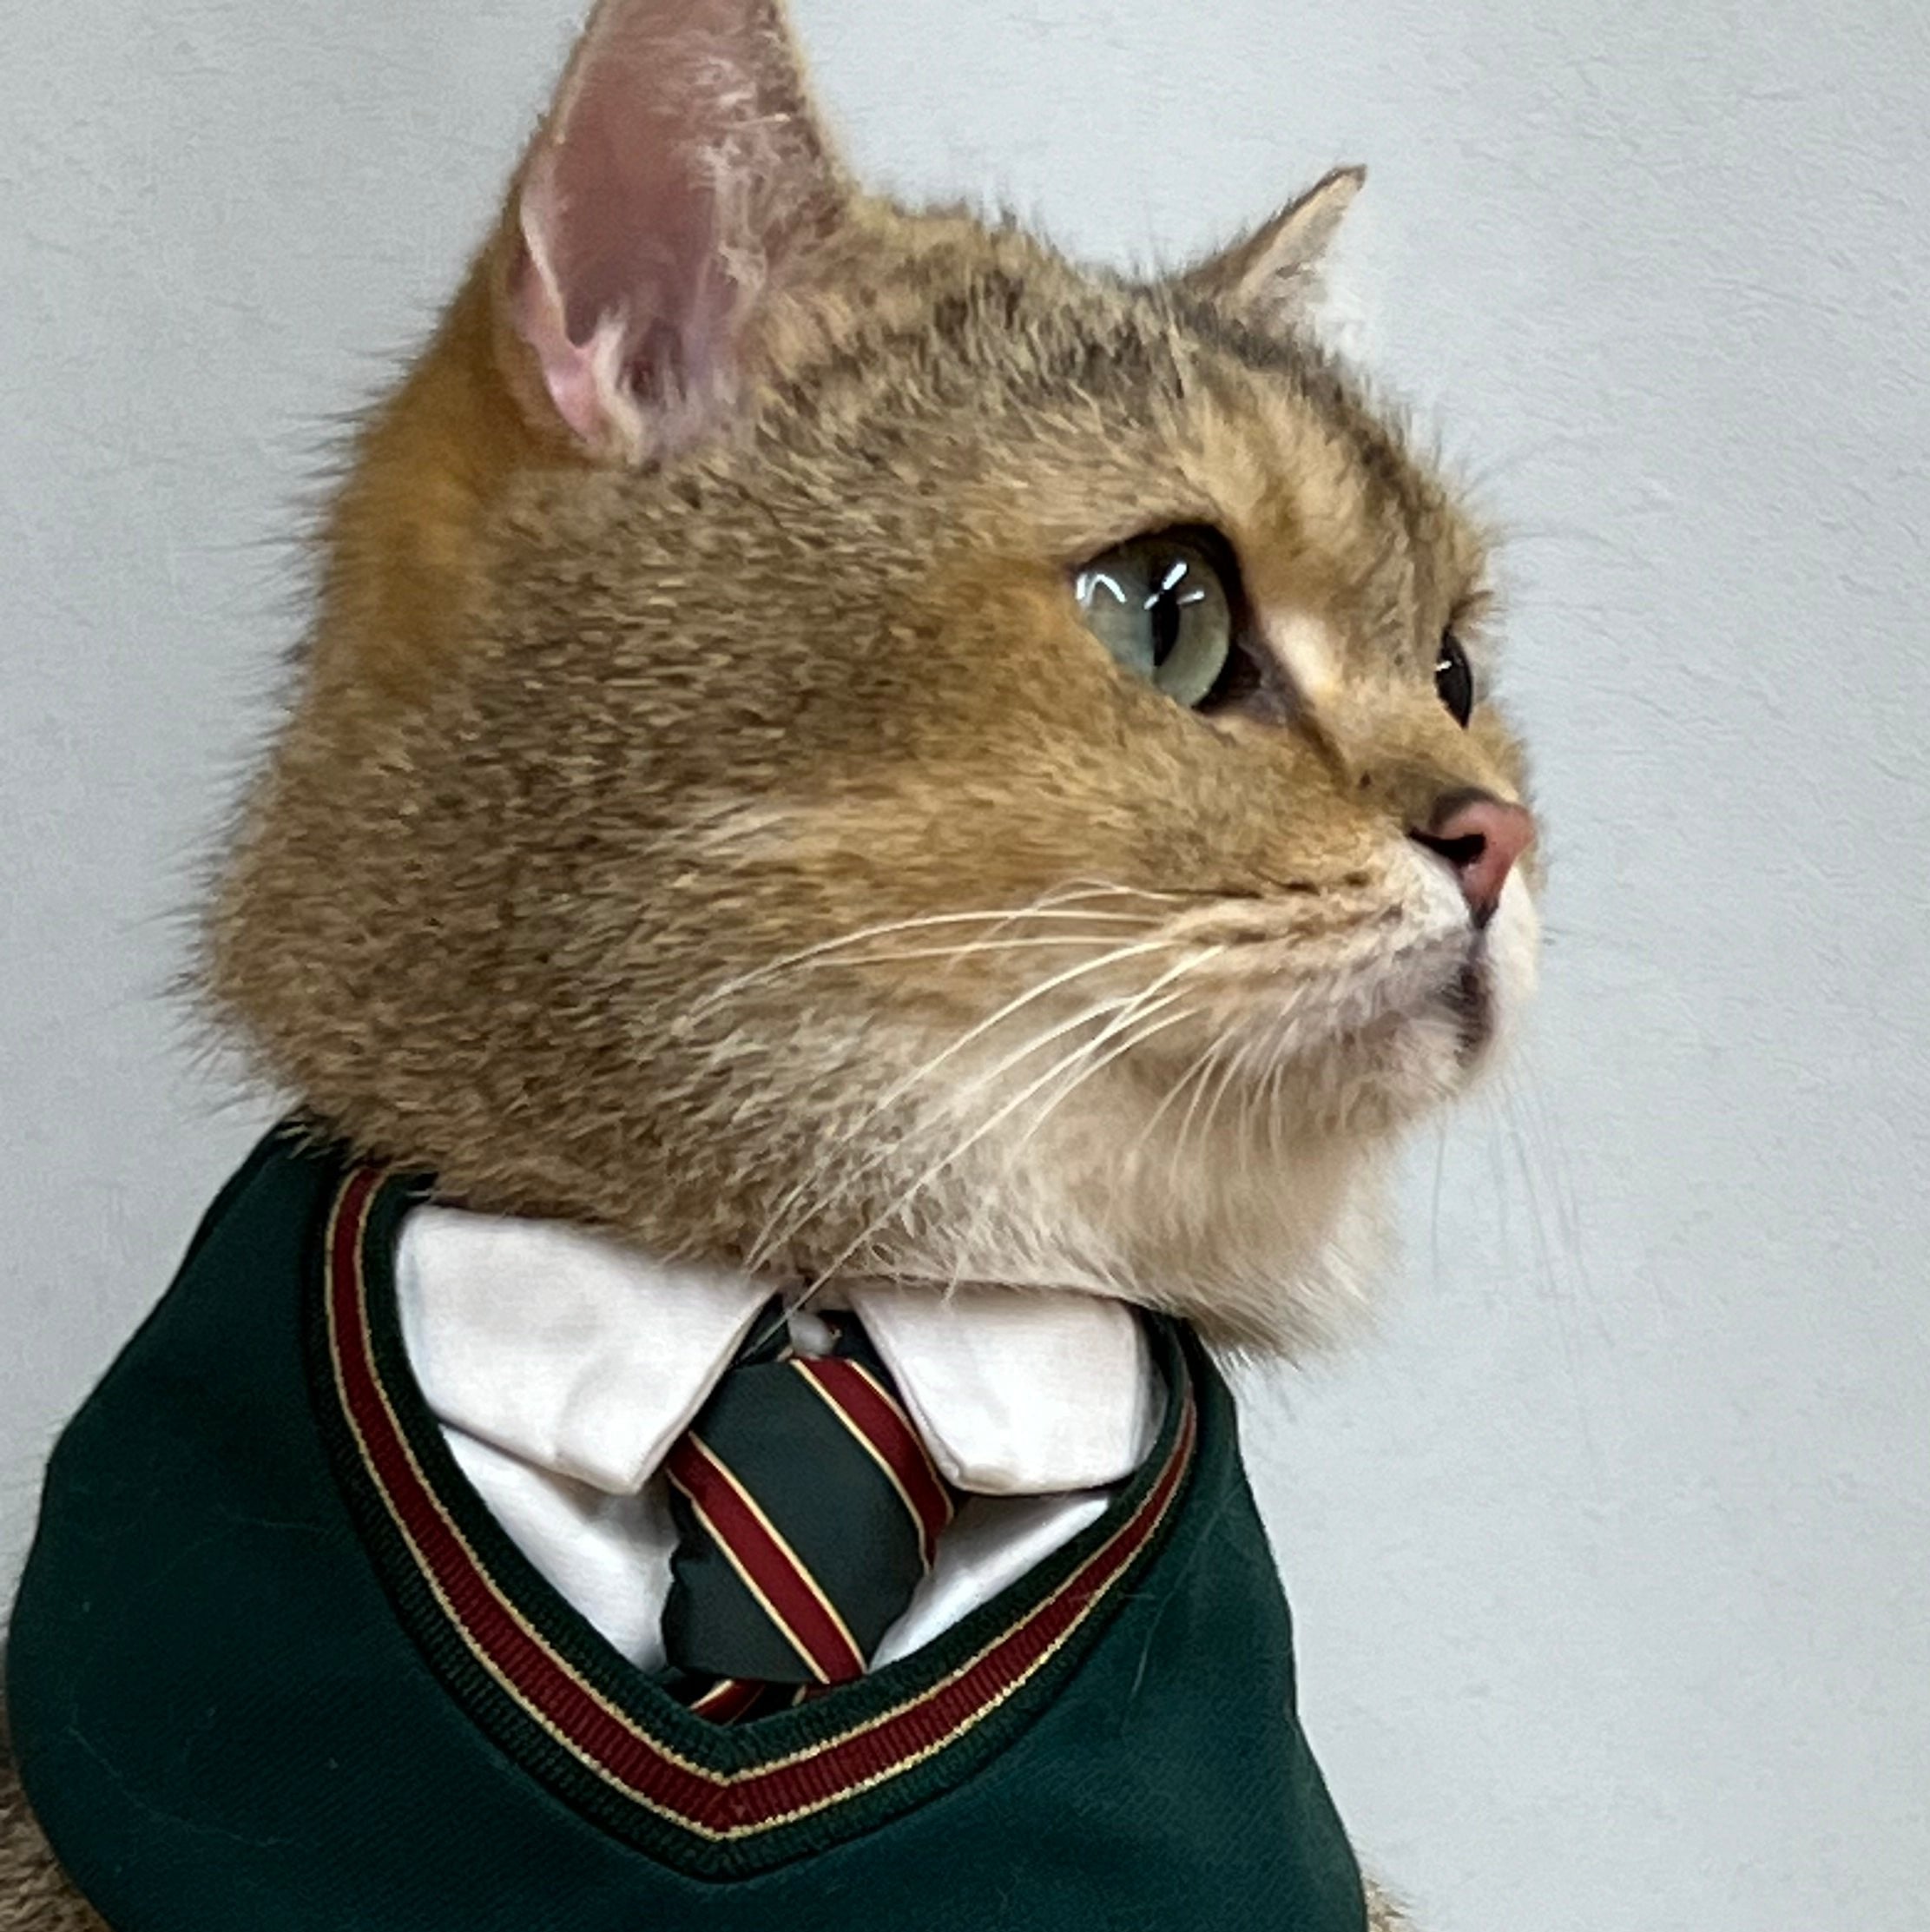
column 1610, row 1558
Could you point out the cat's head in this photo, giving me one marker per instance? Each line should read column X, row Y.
column 836, row 739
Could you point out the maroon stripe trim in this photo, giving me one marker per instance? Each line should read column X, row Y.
column 771, row 1569
column 713, row 1804
column 869, row 1411
column 501, row 1641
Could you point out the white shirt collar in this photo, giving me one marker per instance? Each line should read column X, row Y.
column 589, row 1359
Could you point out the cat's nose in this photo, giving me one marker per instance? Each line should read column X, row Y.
column 1482, row 839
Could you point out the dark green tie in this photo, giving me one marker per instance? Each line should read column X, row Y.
column 807, row 1511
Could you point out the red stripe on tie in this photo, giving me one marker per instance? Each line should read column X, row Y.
column 728, row 1699
column 876, row 1419
column 770, row 1568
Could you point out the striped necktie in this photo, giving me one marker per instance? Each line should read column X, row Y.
column 807, row 1511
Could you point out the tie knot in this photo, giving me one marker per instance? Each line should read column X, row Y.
column 807, row 1511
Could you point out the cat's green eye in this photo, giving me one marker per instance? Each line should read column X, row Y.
column 1454, row 679
column 1162, row 606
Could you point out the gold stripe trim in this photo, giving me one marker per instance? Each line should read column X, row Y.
column 626, row 1720
column 427, row 1570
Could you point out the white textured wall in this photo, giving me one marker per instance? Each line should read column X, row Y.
column 1610, row 1559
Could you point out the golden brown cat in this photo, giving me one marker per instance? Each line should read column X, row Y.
column 834, row 741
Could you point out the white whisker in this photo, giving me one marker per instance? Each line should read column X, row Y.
column 1173, row 1092
column 1134, row 1010
column 765, row 1243
column 952, row 1159
column 888, row 927
column 976, row 949
column 1133, row 1039
column 1221, row 1050
column 1236, row 1060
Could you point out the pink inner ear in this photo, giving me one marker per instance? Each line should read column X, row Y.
column 636, row 223
column 569, row 369
column 628, row 296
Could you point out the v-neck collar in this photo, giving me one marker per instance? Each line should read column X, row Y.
column 714, row 1802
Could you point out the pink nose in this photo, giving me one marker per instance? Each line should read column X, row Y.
column 1481, row 839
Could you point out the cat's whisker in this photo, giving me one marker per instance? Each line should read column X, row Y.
column 1253, row 1094
column 1275, row 1105
column 1135, row 1011
column 1225, row 1061
column 1544, row 1182
column 1203, row 1073
column 1533, row 1099
column 774, row 1238
column 886, row 930
column 1081, row 1064
column 1103, row 888
column 976, row 949
column 1233, row 1083
column 764, row 1246
column 1246, row 1089
column 1136, row 1037
column 941, row 1166
column 1127, row 1014
column 1070, row 891
column 1172, row 1093
column 1508, row 1118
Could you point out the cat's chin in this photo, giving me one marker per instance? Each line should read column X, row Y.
column 1268, row 1250
column 1263, row 1216
column 1279, row 1265
column 1291, row 1275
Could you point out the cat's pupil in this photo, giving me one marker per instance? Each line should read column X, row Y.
column 1166, row 622
column 1454, row 679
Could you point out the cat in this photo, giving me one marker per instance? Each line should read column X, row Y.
column 836, row 743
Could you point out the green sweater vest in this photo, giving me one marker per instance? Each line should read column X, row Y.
column 273, row 1666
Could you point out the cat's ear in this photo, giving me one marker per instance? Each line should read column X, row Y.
column 678, row 173
column 1273, row 276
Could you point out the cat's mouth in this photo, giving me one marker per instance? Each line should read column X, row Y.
column 1483, row 994
column 1467, row 995
column 1470, row 999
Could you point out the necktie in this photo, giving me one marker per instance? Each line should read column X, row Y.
column 807, row 1510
